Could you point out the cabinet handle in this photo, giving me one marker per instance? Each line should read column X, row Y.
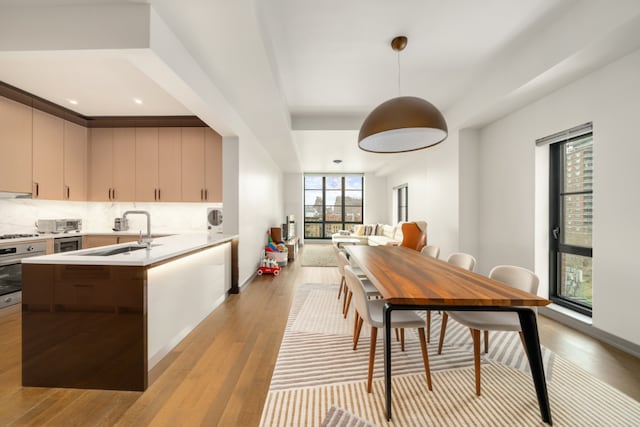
column 206, row 194
column 37, row 188
column 114, row 194
column 155, row 194
column 67, row 190
column 201, row 194
column 159, row 197
column 109, row 194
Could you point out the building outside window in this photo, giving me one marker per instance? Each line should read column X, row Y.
column 332, row 203
column 571, row 220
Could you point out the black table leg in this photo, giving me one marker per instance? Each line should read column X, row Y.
column 530, row 332
column 387, row 358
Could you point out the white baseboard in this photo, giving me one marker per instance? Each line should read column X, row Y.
column 578, row 323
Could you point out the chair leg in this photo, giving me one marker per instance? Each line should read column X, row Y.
column 346, row 310
column 356, row 316
column 443, row 329
column 401, row 339
column 486, row 341
column 341, row 287
column 425, row 356
column 356, row 337
column 476, row 357
column 372, row 357
column 428, row 326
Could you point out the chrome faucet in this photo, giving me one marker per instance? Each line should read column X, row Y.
column 141, row 241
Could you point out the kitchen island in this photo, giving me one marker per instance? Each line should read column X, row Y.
column 104, row 317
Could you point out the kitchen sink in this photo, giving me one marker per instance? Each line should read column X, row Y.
column 116, row 251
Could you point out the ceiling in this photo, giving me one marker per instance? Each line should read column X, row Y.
column 303, row 74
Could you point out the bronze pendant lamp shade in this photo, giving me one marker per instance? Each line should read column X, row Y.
column 406, row 123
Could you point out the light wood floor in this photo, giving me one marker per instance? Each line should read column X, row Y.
column 220, row 373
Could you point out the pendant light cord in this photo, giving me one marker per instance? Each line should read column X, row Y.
column 399, row 88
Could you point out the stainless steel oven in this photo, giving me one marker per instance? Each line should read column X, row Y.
column 11, row 269
column 67, row 244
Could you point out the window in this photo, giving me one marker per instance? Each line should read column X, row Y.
column 571, row 220
column 332, row 203
column 402, row 202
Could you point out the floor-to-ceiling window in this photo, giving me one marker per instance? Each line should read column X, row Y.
column 332, row 203
column 571, row 220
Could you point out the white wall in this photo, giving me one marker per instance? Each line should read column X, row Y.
column 512, row 225
column 432, row 177
column 261, row 204
column 469, row 191
column 376, row 208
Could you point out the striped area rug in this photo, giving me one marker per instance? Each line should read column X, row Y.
column 317, row 369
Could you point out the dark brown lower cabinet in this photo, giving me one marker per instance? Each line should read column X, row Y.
column 84, row 326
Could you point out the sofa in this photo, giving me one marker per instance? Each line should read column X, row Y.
column 372, row 234
column 376, row 234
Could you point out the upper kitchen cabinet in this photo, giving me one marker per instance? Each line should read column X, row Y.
column 75, row 162
column 158, row 176
column 16, row 133
column 48, row 146
column 213, row 165
column 201, row 165
column 112, row 162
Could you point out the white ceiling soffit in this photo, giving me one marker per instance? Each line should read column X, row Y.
column 90, row 83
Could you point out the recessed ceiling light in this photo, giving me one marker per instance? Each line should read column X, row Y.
column 72, row 101
column 337, row 161
column 137, row 101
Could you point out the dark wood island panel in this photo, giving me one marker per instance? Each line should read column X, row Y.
column 84, row 326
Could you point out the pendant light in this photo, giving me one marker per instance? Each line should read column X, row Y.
column 405, row 123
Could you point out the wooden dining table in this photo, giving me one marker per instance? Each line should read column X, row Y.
column 408, row 280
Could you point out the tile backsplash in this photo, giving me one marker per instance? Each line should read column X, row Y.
column 20, row 215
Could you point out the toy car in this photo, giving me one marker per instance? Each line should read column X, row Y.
column 269, row 270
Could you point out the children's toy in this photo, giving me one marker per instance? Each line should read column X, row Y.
column 268, row 266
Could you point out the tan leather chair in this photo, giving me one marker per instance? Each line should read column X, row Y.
column 413, row 237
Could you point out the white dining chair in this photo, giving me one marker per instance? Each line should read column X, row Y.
column 517, row 277
column 459, row 259
column 370, row 289
column 432, row 251
column 371, row 312
column 462, row 260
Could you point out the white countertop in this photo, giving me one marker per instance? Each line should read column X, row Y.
column 162, row 248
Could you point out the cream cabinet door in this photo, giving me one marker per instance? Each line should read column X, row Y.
column 213, row 166
column 169, row 165
column 193, row 164
column 75, row 162
column 146, row 158
column 100, row 163
column 124, row 164
column 16, row 135
column 48, row 137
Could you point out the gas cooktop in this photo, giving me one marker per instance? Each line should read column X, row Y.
column 16, row 236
